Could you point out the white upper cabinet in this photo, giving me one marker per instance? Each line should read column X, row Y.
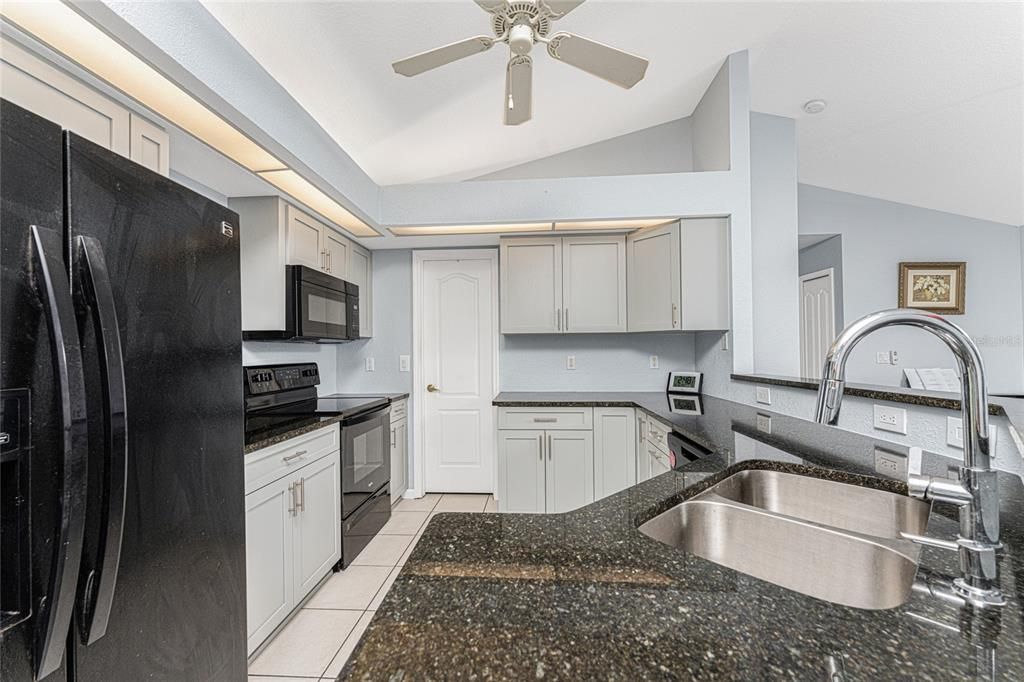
column 34, row 84
column 654, row 279
column 306, row 240
column 336, row 251
column 274, row 234
column 531, row 285
column 594, row 283
column 360, row 271
column 678, row 276
column 555, row 285
column 149, row 145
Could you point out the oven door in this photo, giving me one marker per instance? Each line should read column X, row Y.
column 366, row 458
column 323, row 312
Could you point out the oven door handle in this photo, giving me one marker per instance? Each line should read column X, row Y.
column 55, row 291
column 384, row 411
column 98, row 296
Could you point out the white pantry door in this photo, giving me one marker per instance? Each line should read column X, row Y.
column 457, row 323
column 817, row 321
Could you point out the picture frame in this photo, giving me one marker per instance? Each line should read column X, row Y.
column 938, row 287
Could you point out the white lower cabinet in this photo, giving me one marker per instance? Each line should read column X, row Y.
column 581, row 455
column 292, row 529
column 399, row 458
column 615, row 450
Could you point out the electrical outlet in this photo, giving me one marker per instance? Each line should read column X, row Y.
column 725, row 341
column 882, row 357
column 955, row 432
column 890, row 464
column 894, row 357
column 891, row 419
column 654, row 362
column 570, row 362
column 764, row 423
column 370, row 365
column 403, row 363
column 763, row 395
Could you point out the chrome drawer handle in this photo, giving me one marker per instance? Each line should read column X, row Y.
column 545, row 420
column 289, row 458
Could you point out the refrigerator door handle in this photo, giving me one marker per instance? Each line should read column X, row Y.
column 98, row 597
column 52, row 283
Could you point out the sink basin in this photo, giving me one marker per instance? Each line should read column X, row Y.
column 820, row 538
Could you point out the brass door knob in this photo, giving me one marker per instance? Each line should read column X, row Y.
column 432, row 388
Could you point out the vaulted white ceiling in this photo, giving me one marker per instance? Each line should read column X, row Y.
column 925, row 99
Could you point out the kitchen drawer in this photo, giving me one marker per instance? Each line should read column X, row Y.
column 657, row 435
column 269, row 464
column 550, row 418
column 399, row 410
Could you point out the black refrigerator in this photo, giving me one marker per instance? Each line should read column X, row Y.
column 123, row 520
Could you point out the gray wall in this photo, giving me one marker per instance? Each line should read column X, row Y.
column 878, row 234
column 665, row 148
column 392, row 330
column 822, row 256
column 604, row 362
column 773, row 215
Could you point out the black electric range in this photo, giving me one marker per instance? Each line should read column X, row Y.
column 280, row 399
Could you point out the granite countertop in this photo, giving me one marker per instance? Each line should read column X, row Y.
column 585, row 595
column 281, row 429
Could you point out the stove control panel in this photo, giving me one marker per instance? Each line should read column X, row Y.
column 273, row 378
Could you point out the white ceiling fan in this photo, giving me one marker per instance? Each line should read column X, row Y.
column 521, row 24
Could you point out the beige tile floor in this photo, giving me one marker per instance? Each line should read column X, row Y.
column 318, row 641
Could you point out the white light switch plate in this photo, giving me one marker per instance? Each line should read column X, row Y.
column 955, row 432
column 403, row 363
column 764, row 423
column 654, row 362
column 570, row 362
column 371, row 365
column 889, row 418
column 882, row 357
column 763, row 395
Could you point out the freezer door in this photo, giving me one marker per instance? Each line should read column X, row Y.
column 43, row 405
column 171, row 606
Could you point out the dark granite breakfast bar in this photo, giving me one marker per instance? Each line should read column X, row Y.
column 585, row 595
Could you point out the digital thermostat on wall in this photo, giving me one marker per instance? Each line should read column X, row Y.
column 685, row 382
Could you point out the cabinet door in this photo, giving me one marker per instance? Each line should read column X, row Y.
column 659, row 461
column 521, row 471
column 360, row 271
column 704, row 245
column 399, row 465
column 336, row 254
column 570, row 470
column 594, row 283
column 317, row 545
column 149, row 145
column 643, row 461
column 653, row 279
column 34, row 84
column 531, row 285
column 269, row 597
column 305, row 240
column 615, row 440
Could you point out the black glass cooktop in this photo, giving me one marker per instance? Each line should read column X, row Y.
column 268, row 423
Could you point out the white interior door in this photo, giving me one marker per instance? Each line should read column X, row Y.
column 817, row 321
column 457, row 336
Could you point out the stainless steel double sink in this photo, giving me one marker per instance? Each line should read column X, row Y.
column 830, row 540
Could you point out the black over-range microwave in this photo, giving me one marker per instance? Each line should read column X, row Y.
column 318, row 308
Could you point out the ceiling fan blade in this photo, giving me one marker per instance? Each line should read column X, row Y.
column 613, row 65
column 431, row 59
column 559, row 8
column 491, row 6
column 519, row 90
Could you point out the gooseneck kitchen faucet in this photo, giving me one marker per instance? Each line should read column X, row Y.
column 976, row 493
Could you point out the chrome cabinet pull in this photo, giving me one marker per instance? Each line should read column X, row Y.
column 566, row 319
column 558, row 316
column 545, row 420
column 302, row 494
column 540, row 446
column 291, row 499
column 550, row 456
column 289, row 458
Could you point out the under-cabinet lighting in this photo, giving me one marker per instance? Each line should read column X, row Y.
column 62, row 28
column 468, row 229
column 302, row 189
column 612, row 224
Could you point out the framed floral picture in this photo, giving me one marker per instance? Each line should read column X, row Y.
column 935, row 287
